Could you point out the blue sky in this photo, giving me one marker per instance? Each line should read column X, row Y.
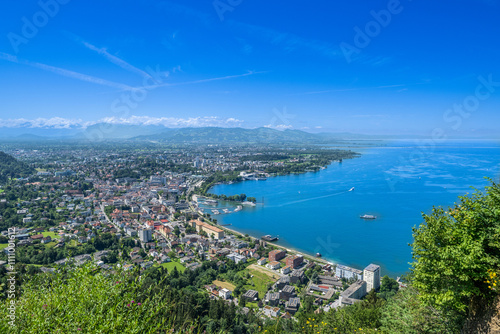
column 403, row 67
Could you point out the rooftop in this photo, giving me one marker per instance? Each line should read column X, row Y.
column 372, row 267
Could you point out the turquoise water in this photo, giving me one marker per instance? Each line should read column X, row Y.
column 315, row 212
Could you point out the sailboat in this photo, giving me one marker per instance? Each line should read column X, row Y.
column 351, row 189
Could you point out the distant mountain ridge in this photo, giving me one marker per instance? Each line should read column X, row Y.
column 233, row 135
column 158, row 133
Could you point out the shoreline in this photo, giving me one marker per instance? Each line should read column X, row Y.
column 288, row 250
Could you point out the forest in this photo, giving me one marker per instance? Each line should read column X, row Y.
column 12, row 168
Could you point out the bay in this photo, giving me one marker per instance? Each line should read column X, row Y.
column 316, row 212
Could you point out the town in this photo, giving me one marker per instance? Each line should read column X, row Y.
column 140, row 210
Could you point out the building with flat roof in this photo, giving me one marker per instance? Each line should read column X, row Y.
column 145, row 235
column 287, row 292
column 271, row 311
column 237, row 258
column 294, row 261
column 348, row 272
column 272, row 298
column 276, row 255
column 251, row 295
column 273, row 265
column 210, row 230
column 225, row 293
column 292, row 305
column 354, row 293
column 297, row 276
column 372, row 277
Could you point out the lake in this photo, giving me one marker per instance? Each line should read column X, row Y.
column 396, row 182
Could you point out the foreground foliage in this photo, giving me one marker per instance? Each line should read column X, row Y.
column 455, row 252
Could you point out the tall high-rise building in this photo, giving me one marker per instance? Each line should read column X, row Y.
column 145, row 235
column 371, row 275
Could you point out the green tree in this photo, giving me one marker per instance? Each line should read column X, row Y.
column 388, row 288
column 406, row 313
column 454, row 250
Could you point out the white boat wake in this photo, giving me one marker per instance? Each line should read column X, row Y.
column 312, row 198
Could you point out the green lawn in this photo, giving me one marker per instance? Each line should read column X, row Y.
column 50, row 244
column 2, row 246
column 260, row 281
column 1, row 191
column 170, row 266
column 252, row 305
column 53, row 235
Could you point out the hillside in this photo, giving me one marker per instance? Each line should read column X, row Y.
column 11, row 168
column 236, row 135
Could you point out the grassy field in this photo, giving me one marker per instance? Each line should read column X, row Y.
column 2, row 246
column 1, row 191
column 252, row 305
column 171, row 265
column 270, row 273
column 260, row 280
column 50, row 244
column 53, row 235
column 226, row 285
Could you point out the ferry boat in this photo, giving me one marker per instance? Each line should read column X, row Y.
column 269, row 238
column 318, row 254
column 367, row 217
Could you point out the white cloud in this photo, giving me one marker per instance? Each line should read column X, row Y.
column 174, row 122
column 64, row 72
column 54, row 123
column 114, row 59
column 279, row 126
column 171, row 122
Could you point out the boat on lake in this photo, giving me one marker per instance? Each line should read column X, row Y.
column 351, row 189
column 248, row 203
column 269, row 237
column 368, row 217
column 215, row 212
column 238, row 208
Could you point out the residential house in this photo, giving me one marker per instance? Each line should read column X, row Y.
column 292, row 305
column 271, row 311
column 272, row 298
column 286, row 270
column 225, row 293
column 251, row 295
column 287, row 292
column 274, row 265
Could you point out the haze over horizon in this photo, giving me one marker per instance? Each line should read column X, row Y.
column 368, row 67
